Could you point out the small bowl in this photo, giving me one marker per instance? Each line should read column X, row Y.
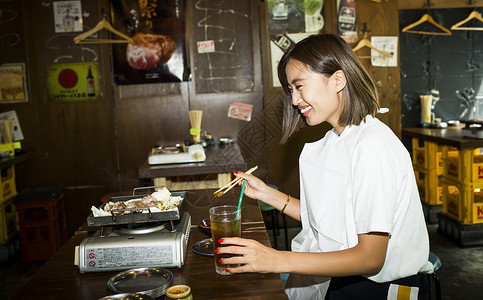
column 205, row 226
column 226, row 141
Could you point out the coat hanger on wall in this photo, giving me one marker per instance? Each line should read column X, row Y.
column 103, row 24
column 473, row 15
column 429, row 19
column 366, row 43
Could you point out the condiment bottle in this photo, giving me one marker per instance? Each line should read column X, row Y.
column 179, row 292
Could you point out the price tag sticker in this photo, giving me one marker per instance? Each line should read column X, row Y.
column 206, row 46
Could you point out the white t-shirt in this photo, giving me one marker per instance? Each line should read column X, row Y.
column 362, row 181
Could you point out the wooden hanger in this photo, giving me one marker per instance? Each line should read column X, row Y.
column 473, row 15
column 103, row 24
column 426, row 18
column 366, row 43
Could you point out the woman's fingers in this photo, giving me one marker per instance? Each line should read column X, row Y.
column 250, row 254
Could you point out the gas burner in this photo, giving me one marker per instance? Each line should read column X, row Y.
column 136, row 245
column 142, row 228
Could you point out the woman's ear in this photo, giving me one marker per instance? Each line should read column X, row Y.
column 340, row 80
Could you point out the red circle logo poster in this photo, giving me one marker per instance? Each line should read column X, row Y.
column 71, row 82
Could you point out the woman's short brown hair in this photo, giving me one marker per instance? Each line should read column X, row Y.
column 326, row 54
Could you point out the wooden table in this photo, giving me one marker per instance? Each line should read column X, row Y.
column 60, row 279
column 220, row 161
column 457, row 137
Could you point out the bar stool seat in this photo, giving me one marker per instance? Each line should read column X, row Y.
column 436, row 265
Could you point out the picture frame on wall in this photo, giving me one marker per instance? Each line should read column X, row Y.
column 13, row 83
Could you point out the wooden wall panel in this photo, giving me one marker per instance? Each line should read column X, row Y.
column 241, row 75
column 382, row 19
column 144, row 122
column 72, row 143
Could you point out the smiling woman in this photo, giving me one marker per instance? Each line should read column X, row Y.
column 357, row 188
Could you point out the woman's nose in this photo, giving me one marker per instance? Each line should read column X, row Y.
column 296, row 99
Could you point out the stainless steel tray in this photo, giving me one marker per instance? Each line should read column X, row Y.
column 128, row 296
column 149, row 281
column 136, row 217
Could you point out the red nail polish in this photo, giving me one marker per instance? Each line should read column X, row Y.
column 235, row 172
column 216, row 250
column 220, row 241
column 227, row 270
column 220, row 261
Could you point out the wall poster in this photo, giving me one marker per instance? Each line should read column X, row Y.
column 13, row 83
column 288, row 16
column 67, row 16
column 288, row 23
column 158, row 51
column 384, row 43
column 347, row 20
column 73, row 81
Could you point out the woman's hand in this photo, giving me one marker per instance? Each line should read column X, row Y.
column 255, row 187
column 253, row 256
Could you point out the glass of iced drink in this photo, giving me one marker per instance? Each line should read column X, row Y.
column 225, row 222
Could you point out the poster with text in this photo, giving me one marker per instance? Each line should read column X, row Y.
column 241, row 111
column 67, row 16
column 286, row 15
column 347, row 20
column 158, row 51
column 314, row 19
column 387, row 44
column 74, row 81
column 13, row 83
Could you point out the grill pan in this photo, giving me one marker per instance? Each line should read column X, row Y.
column 136, row 217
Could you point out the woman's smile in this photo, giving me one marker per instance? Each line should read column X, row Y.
column 304, row 110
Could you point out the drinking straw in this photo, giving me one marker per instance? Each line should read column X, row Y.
column 239, row 206
column 241, row 197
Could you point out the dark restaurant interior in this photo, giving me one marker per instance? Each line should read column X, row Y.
column 79, row 149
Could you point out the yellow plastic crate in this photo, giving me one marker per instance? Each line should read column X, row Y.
column 430, row 189
column 8, row 188
column 429, row 156
column 466, row 167
column 8, row 221
column 462, row 202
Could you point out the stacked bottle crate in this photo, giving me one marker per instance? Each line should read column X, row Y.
column 428, row 167
column 42, row 222
column 462, row 180
column 9, row 242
